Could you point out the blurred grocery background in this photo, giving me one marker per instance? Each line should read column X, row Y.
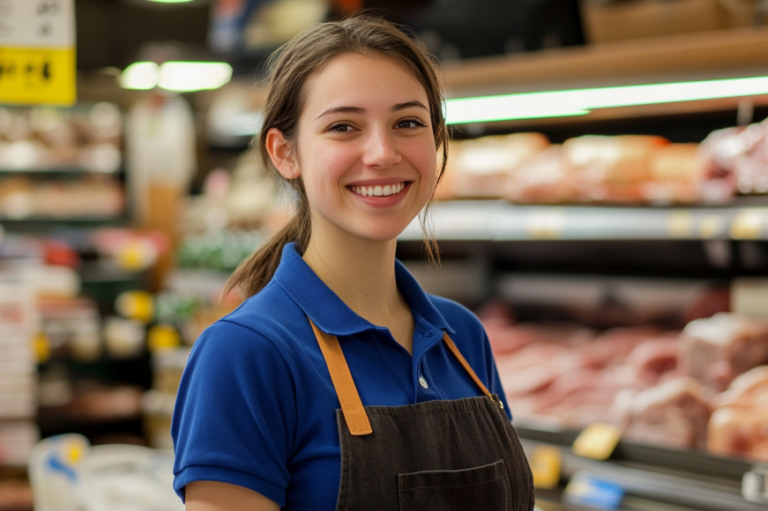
column 605, row 213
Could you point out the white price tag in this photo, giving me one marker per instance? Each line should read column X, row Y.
column 749, row 224
column 754, row 484
column 545, row 224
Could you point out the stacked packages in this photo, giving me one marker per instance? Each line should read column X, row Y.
column 705, row 387
column 630, row 169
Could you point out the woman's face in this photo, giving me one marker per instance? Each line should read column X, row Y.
column 365, row 146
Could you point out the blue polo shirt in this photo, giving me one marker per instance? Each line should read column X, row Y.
column 256, row 405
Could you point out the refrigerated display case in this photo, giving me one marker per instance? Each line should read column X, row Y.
column 606, row 266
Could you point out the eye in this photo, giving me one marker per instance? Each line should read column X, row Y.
column 340, row 127
column 410, row 123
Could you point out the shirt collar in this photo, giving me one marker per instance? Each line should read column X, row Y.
column 329, row 312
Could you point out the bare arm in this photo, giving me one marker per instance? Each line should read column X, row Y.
column 215, row 496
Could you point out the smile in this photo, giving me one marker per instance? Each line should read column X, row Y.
column 378, row 191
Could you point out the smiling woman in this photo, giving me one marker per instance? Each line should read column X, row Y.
column 313, row 393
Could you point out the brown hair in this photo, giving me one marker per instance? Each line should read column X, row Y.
column 289, row 68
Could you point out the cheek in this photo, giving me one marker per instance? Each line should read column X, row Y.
column 424, row 159
column 330, row 161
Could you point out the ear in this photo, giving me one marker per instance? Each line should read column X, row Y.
column 281, row 153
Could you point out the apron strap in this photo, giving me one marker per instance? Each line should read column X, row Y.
column 351, row 406
column 463, row 361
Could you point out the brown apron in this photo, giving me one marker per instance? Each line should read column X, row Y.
column 462, row 454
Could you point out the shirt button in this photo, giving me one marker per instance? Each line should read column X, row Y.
column 423, row 383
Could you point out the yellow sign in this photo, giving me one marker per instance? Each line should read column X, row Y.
column 749, row 223
column 546, row 463
column 37, row 75
column 597, row 441
column 680, row 224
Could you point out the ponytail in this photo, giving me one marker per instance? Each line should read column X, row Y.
column 255, row 272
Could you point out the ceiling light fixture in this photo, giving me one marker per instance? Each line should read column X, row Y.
column 139, row 75
column 176, row 76
column 532, row 105
column 192, row 76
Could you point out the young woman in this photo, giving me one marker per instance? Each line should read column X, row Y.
column 340, row 384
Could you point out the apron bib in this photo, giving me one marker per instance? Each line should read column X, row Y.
column 455, row 455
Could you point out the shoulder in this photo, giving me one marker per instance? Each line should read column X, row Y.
column 264, row 329
column 271, row 314
column 458, row 317
column 466, row 330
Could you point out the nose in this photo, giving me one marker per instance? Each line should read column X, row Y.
column 380, row 150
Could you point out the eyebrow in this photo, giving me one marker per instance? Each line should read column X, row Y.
column 358, row 110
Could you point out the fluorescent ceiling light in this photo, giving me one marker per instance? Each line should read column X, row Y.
column 140, row 75
column 176, row 76
column 191, row 76
column 579, row 102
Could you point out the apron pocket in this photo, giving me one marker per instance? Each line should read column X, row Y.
column 485, row 488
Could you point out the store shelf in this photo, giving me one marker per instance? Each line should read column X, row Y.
column 718, row 54
column 46, row 224
column 502, row 221
column 733, row 53
column 691, row 479
column 56, row 172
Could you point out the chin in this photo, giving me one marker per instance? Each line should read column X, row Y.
column 380, row 232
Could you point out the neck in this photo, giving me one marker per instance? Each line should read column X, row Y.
column 360, row 272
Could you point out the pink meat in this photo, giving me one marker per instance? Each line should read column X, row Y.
column 739, row 432
column 749, row 390
column 718, row 349
column 529, row 369
column 651, row 360
column 567, row 386
column 674, row 413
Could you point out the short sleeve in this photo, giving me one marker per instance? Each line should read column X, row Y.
column 235, row 413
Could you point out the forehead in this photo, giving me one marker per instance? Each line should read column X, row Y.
column 369, row 82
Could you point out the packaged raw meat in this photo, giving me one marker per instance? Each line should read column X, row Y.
column 565, row 376
column 751, row 168
column 717, row 349
column 739, row 432
column 652, row 361
column 674, row 413
column 674, row 174
column 611, row 169
column 481, row 167
column 718, row 153
column 543, row 179
column 748, row 390
column 734, row 160
column 739, row 425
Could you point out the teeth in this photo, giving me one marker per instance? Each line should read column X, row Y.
column 378, row 191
